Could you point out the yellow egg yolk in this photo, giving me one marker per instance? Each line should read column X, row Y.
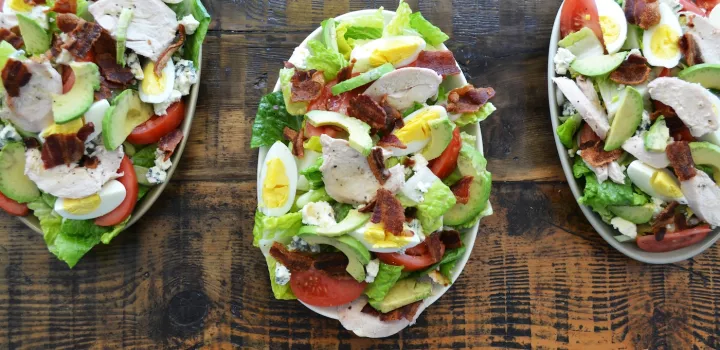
column 376, row 235
column 664, row 42
column 20, row 6
column 665, row 185
column 153, row 84
column 393, row 54
column 276, row 187
column 610, row 29
column 67, row 128
column 418, row 128
column 82, row 206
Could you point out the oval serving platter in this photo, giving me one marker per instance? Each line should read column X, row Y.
column 146, row 203
column 606, row 231
column 469, row 236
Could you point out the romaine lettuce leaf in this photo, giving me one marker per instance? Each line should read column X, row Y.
column 363, row 33
column 294, row 108
column 400, row 23
column 387, row 276
column 580, row 169
column 438, row 200
column 471, row 118
column 269, row 229
column 312, row 196
column 432, row 34
column 414, row 108
column 330, row 34
column 280, row 292
column 145, row 157
column 325, row 60
column 566, row 131
column 344, row 46
column 270, row 121
column 314, row 175
column 341, row 210
column 50, row 221
column 193, row 43
column 599, row 196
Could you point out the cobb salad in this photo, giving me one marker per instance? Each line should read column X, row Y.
column 367, row 181
column 638, row 88
column 91, row 105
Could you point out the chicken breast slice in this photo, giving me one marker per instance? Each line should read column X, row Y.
column 694, row 104
column 703, row 196
column 405, row 86
column 151, row 30
column 707, row 37
column 32, row 109
column 590, row 111
column 636, row 146
column 365, row 325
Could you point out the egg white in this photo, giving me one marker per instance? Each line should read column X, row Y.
column 669, row 18
column 611, row 10
column 111, row 195
column 361, row 53
column 413, row 226
column 282, row 152
column 640, row 174
column 417, row 145
column 169, row 75
column 95, row 115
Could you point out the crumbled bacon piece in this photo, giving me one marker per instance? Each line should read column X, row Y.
column 86, row 131
column 435, row 247
column 394, row 119
column 468, row 99
column 368, row 208
column 451, row 239
column 14, row 76
column 56, row 47
column 634, row 71
column 364, row 108
column 167, row 54
column 594, row 154
column 681, row 160
column 67, row 22
column 169, row 142
column 389, row 211
column 442, row 62
column 461, row 189
column 31, row 143
column 346, row 73
column 297, row 139
column 333, row 264
column 643, row 13
column 390, row 140
column 112, row 71
column 82, row 39
column 65, row 6
column 306, row 86
column 294, row 261
column 663, row 219
column 690, row 50
column 13, row 39
column 62, row 149
column 90, row 162
column 377, row 165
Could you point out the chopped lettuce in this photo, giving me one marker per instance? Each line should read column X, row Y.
column 583, row 43
column 363, row 33
column 143, row 191
column 294, row 108
column 269, row 229
column 566, row 131
column 345, row 46
column 330, row 34
column 438, row 200
column 314, row 175
column 325, row 59
column 599, row 196
column 313, row 144
column 400, row 23
column 145, row 157
column 312, row 196
column 386, row 278
column 471, row 118
column 468, row 139
column 270, row 121
column 580, row 169
column 50, row 221
column 280, row 292
column 414, row 108
column 341, row 210
column 193, row 43
column 432, row 34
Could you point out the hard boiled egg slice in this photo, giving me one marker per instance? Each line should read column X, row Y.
column 658, row 183
column 15, row 6
column 398, row 50
column 613, row 24
column 95, row 115
column 110, row 197
column 157, row 89
column 660, row 42
column 416, row 132
column 278, row 181
column 68, row 128
column 374, row 237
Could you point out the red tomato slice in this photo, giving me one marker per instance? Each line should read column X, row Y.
column 666, row 72
column 414, row 259
column 317, row 288
column 121, row 213
column 156, row 127
column 673, row 241
column 12, row 207
column 444, row 165
column 577, row 14
column 68, row 79
column 690, row 6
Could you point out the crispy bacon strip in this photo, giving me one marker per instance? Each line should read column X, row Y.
column 297, row 139
column 451, row 239
column 90, row 162
column 664, row 218
column 169, row 142
column 390, row 140
column 112, row 71
column 690, row 50
column 368, row 208
column 67, row 22
column 634, row 71
column 389, row 211
column 13, row 39
column 294, row 261
column 468, row 99
column 435, row 247
column 167, row 54
column 65, row 6
column 681, row 160
column 406, row 312
column 364, row 108
column 306, row 86
column 394, row 118
column 346, row 73
column 85, row 131
column 461, row 189
column 82, row 39
column 442, row 62
column 594, row 154
column 15, row 75
column 377, row 165
column 31, row 143
column 62, row 149
column 333, row 264
column 643, row 13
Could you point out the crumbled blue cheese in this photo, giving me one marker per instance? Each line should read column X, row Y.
column 563, row 59
column 616, row 172
column 190, row 24
column 625, row 227
column 185, row 76
column 282, row 274
column 158, row 173
column 161, row 162
column 161, row 108
column 420, row 162
column 318, row 214
column 569, row 109
column 133, row 62
column 64, row 58
column 646, row 122
column 300, row 245
column 39, row 14
column 371, row 270
column 8, row 134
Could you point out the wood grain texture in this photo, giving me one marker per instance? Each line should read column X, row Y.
column 188, row 277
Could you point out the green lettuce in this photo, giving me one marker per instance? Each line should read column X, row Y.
column 400, row 23
column 325, row 60
column 312, row 196
column 50, row 221
column 143, row 191
column 193, row 43
column 600, row 196
column 438, row 200
column 145, row 157
column 314, row 175
column 294, row 108
column 580, row 169
column 472, row 118
column 313, row 144
column 375, row 20
column 363, row 33
column 387, row 276
column 414, row 108
column 280, row 292
column 432, row 34
column 330, row 34
column 566, row 131
column 345, row 46
column 270, row 121
column 269, row 229
column 341, row 210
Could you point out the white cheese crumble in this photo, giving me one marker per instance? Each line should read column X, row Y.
column 39, row 14
column 300, row 245
column 161, row 108
column 625, row 227
column 420, row 162
column 64, row 58
column 563, row 59
column 133, row 62
column 190, row 24
column 185, row 76
column 372, row 269
column 569, row 109
column 158, row 173
column 8, row 134
column 299, row 57
column 282, row 274
column 616, row 172
column 318, row 214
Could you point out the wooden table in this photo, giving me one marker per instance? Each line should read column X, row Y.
column 188, row 276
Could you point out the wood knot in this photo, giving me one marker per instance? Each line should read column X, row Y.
column 188, row 309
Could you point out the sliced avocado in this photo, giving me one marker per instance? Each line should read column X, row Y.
column 404, row 292
column 13, row 182
column 141, row 173
column 705, row 153
column 358, row 256
column 37, row 39
column 627, row 119
column 362, row 79
column 6, row 50
column 352, row 222
column 121, row 34
column 359, row 131
column 598, row 65
column 441, row 133
column 635, row 214
column 656, row 139
column 126, row 113
column 471, row 163
column 583, row 43
column 73, row 104
column 330, row 34
column 706, row 74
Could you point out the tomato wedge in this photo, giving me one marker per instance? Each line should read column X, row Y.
column 673, row 241
column 317, row 288
column 12, row 207
column 122, row 212
column 577, row 14
column 708, row 5
column 690, row 6
column 444, row 165
column 157, row 126
column 414, row 259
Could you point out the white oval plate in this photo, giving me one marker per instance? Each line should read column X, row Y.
column 606, row 231
column 470, row 234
